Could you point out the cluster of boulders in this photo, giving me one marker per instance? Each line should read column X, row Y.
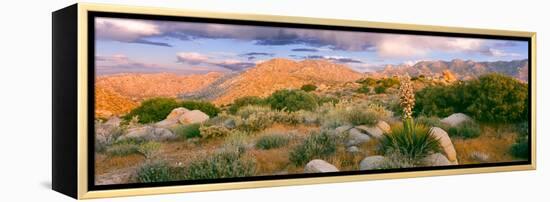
column 159, row 131
column 361, row 134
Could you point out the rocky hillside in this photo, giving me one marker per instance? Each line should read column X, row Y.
column 109, row 103
column 463, row 69
column 141, row 86
column 275, row 74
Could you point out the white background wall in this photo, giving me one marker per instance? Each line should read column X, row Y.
column 25, row 103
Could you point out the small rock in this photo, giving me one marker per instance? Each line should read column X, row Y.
column 195, row 116
column 230, row 123
column 167, row 123
column 385, row 127
column 372, row 163
column 353, row 149
column 455, row 119
column 436, row 159
column 445, row 143
column 372, row 131
column 319, row 166
column 342, row 129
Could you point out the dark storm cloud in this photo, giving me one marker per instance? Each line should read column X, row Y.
column 305, row 50
column 143, row 41
column 235, row 66
column 257, row 54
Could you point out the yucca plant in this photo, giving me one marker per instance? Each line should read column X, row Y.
column 411, row 140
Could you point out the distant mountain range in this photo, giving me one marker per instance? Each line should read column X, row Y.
column 275, row 74
column 463, row 69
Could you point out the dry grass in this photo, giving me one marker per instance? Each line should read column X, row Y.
column 493, row 142
column 106, row 164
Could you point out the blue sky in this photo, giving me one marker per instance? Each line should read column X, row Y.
column 144, row 46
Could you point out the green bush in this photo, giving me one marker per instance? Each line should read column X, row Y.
column 468, row 129
column 520, row 149
column 412, row 146
column 308, row 87
column 245, row 101
column 157, row 171
column 153, row 110
column 292, row 100
column 493, row 98
column 156, row 109
column 367, row 81
column 224, row 164
column 188, row 131
column 206, row 107
column 380, row 89
column 365, row 89
column 389, row 82
column 317, row 145
column 272, row 141
column 361, row 117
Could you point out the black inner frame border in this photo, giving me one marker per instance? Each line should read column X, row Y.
column 91, row 98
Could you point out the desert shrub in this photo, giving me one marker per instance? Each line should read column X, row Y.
column 291, row 118
column 123, row 148
column 431, row 121
column 365, row 89
column 326, row 99
column 367, row 81
column 152, row 110
column 520, row 149
column 188, row 131
column 361, row 117
column 317, row 145
column 157, row 171
column 272, row 141
column 308, row 87
column 245, row 101
column 156, row 109
column 292, row 100
column 396, row 160
column 380, row 89
column 332, row 116
column 468, row 129
column 149, row 149
column 388, row 82
column 214, row 131
column 255, row 118
column 492, row 98
column 206, row 107
column 413, row 145
column 223, row 164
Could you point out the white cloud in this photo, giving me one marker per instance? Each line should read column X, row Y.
column 501, row 53
column 125, row 30
column 191, row 58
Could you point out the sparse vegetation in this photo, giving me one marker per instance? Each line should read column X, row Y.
column 223, row 164
column 123, row 149
column 245, row 101
column 155, row 171
column 272, row 141
column 308, row 87
column 214, row 131
column 362, row 117
column 188, row 131
column 468, row 129
column 317, row 145
column 380, row 89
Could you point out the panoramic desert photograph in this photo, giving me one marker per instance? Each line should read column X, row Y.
column 178, row 101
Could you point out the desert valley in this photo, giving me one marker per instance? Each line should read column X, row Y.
column 287, row 116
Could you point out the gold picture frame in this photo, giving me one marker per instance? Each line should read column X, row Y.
column 79, row 167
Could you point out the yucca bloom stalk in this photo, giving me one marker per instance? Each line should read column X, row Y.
column 406, row 96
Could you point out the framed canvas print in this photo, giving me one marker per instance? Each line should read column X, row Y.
column 151, row 100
